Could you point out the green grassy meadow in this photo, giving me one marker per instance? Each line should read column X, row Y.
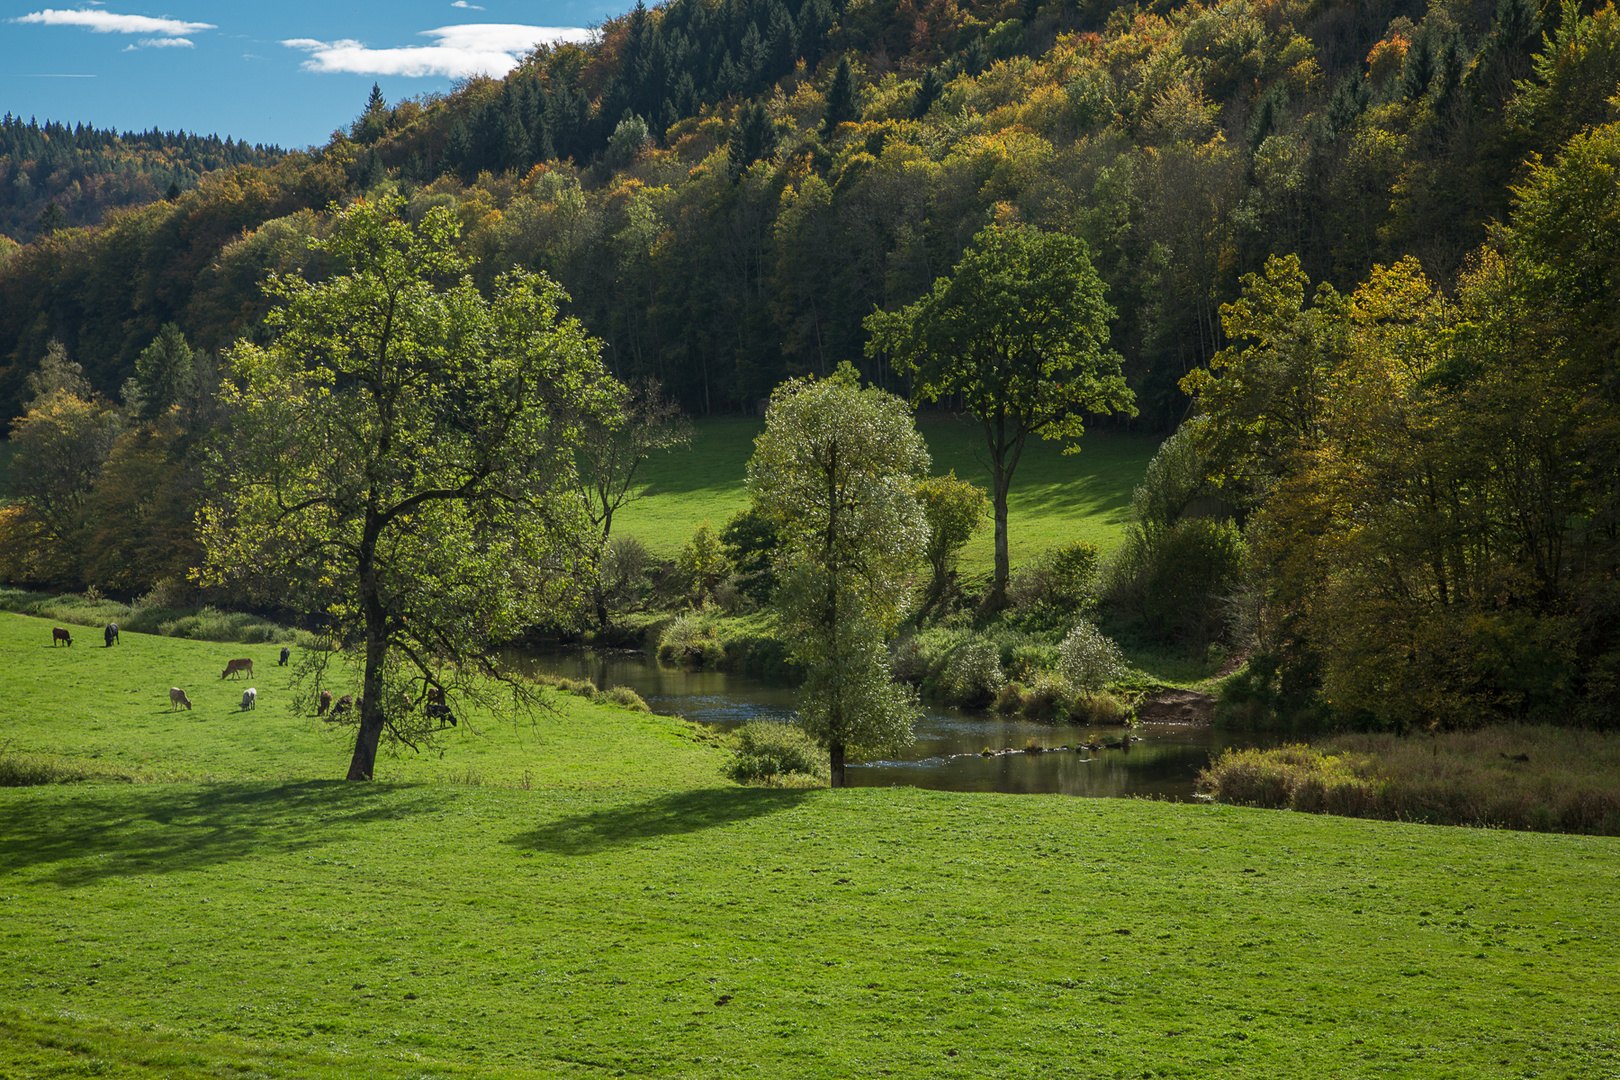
column 603, row 904
column 1055, row 497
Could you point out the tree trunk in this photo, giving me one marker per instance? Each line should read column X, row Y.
column 837, row 751
column 1000, row 482
column 364, row 761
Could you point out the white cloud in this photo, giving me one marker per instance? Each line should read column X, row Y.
column 161, row 43
column 464, row 4
column 462, row 51
column 106, row 22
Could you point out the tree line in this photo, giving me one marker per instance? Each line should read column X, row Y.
column 56, row 175
column 724, row 239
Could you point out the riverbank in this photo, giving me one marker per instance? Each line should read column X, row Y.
column 1542, row 779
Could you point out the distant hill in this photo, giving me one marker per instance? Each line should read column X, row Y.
column 83, row 172
column 724, row 211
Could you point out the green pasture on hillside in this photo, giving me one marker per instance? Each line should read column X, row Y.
column 1055, row 497
column 109, row 709
column 630, row 914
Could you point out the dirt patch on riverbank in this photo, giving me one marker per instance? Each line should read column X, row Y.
column 1177, row 707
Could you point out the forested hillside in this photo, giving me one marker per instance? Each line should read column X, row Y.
column 53, row 176
column 724, row 206
column 1372, row 247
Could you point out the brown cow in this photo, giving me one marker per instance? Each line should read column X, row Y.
column 344, row 704
column 59, row 634
column 325, row 703
column 177, row 698
column 236, row 667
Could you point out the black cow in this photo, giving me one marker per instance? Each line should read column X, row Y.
column 285, row 652
column 111, row 634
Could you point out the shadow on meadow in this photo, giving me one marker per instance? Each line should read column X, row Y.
column 668, row 815
column 137, row 831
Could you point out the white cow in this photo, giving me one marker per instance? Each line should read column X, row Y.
column 250, row 699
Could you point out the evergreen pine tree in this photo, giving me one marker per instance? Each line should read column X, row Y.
column 928, row 92
column 842, row 105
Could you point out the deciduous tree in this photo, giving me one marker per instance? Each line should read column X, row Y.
column 835, row 469
column 402, row 462
column 1019, row 329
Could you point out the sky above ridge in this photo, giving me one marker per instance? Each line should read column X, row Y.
column 287, row 73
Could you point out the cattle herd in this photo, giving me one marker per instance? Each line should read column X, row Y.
column 347, row 705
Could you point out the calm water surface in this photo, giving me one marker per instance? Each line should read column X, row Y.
column 947, row 754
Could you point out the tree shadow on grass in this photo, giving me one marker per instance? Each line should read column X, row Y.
column 668, row 815
column 89, row 836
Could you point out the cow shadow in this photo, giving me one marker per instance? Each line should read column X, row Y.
column 668, row 815
column 143, row 831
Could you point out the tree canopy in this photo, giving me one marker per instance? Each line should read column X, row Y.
column 1018, row 332
column 835, row 470
column 401, row 460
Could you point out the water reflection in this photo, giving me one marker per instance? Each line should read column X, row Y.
column 949, row 750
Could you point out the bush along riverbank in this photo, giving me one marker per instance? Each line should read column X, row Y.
column 1042, row 657
column 1541, row 779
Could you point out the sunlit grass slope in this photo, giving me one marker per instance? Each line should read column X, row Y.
column 317, row 928
column 1055, row 497
column 627, row 913
column 109, row 708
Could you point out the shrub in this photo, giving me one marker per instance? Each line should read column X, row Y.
column 1088, row 659
column 691, row 638
column 973, row 673
column 778, row 754
column 1010, row 699
column 1024, row 659
column 1049, row 698
column 1536, row 778
column 626, row 697
column 624, row 571
column 1174, row 580
column 1100, row 708
column 703, row 562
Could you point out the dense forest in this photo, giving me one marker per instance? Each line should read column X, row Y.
column 725, row 201
column 53, row 176
column 1370, row 247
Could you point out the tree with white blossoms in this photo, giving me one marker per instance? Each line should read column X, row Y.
column 835, row 470
column 1089, row 659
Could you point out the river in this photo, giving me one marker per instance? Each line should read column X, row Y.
column 948, row 752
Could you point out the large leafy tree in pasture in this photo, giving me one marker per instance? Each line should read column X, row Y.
column 402, row 461
column 1019, row 329
column 835, row 471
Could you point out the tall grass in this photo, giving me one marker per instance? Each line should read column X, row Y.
column 38, row 770
column 1541, row 779
column 197, row 624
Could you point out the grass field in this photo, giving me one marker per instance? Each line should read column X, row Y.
column 629, row 914
column 1055, row 498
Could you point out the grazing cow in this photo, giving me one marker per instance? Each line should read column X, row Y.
column 325, row 703
column 285, row 652
column 344, row 704
column 438, row 710
column 250, row 699
column 111, row 634
column 59, row 634
column 235, row 667
column 177, row 698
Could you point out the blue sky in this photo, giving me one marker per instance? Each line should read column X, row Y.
column 287, row 72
